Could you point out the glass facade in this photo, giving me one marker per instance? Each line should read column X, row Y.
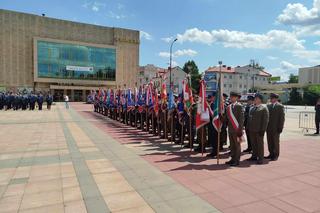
column 71, row 61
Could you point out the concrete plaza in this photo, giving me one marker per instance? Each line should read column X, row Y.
column 78, row 161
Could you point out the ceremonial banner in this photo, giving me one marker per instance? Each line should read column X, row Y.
column 187, row 92
column 218, row 107
column 156, row 102
column 202, row 117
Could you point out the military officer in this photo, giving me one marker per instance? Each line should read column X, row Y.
column 212, row 132
column 257, row 125
column 249, row 105
column 40, row 100
column 235, row 119
column 275, row 126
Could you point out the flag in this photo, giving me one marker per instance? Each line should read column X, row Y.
column 130, row 101
column 141, row 100
column 218, row 107
column 202, row 117
column 136, row 96
column 187, row 92
column 156, row 102
column 149, row 95
column 163, row 93
column 171, row 100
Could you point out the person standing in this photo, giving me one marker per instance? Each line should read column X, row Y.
column 235, row 126
column 49, row 101
column 32, row 101
column 317, row 117
column 40, row 100
column 275, row 126
column 212, row 132
column 249, row 105
column 257, row 125
column 66, row 101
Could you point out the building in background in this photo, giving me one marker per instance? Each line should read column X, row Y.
column 309, row 75
column 241, row 79
column 156, row 75
column 65, row 57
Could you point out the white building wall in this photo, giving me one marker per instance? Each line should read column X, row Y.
column 309, row 75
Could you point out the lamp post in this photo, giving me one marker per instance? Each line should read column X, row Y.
column 171, row 60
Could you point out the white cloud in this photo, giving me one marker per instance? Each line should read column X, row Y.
column 270, row 57
column 286, row 68
column 114, row 15
column 305, row 22
column 312, row 56
column 167, row 39
column 179, row 53
column 236, row 39
column 174, row 64
column 317, row 43
column 94, row 5
column 145, row 35
column 298, row 14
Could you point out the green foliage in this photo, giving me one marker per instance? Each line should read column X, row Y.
column 311, row 94
column 295, row 97
column 293, row 79
column 191, row 68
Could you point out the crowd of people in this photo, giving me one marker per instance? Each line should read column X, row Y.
column 177, row 123
column 24, row 100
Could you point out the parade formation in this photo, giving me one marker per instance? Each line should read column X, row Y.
column 24, row 100
column 207, row 120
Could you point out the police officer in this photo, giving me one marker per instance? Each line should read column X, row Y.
column 49, row 100
column 257, row 124
column 1, row 100
column 249, row 105
column 275, row 126
column 317, row 118
column 40, row 100
column 32, row 101
column 235, row 126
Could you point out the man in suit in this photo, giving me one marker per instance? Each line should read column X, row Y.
column 257, row 125
column 275, row 126
column 249, row 105
column 235, row 126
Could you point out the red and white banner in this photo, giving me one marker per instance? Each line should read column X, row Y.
column 202, row 117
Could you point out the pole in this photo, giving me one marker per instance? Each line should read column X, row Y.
column 171, row 60
column 202, row 140
column 219, row 103
column 171, row 129
column 190, row 132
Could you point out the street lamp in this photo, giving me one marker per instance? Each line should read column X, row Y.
column 171, row 60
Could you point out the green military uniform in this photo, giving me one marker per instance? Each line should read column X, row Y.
column 275, row 127
column 235, row 145
column 257, row 125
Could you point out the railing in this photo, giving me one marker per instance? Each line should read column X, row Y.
column 307, row 121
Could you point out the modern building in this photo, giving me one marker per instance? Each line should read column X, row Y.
column 65, row 57
column 156, row 74
column 241, row 79
column 309, row 75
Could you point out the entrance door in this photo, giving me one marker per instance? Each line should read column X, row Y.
column 58, row 95
column 78, row 95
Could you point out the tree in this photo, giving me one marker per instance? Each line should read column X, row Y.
column 293, row 79
column 191, row 68
column 311, row 94
column 295, row 97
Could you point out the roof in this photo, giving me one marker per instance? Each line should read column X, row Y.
column 224, row 69
column 228, row 69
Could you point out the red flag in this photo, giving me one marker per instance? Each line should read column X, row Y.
column 156, row 102
column 202, row 117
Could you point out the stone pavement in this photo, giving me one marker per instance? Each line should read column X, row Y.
column 60, row 161
column 291, row 184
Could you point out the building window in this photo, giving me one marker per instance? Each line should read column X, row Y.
column 240, row 85
column 230, row 76
column 224, row 85
column 251, row 78
column 224, row 76
column 256, row 78
column 245, row 86
column 240, row 76
column 230, row 85
column 264, row 79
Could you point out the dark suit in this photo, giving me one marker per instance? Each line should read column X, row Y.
column 246, row 117
column 235, row 145
column 275, row 127
column 317, row 118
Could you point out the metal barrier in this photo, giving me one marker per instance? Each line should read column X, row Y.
column 307, row 121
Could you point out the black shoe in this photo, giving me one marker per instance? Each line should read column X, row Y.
column 247, row 150
column 229, row 162
column 260, row 162
column 251, row 159
column 316, row 133
column 234, row 164
column 274, row 159
column 268, row 157
column 211, row 155
column 199, row 149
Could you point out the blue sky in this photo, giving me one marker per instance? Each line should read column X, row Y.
column 282, row 35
